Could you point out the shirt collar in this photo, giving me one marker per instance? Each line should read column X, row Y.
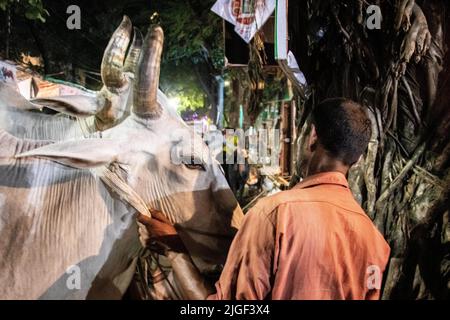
column 336, row 178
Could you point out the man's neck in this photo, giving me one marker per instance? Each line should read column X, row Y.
column 321, row 162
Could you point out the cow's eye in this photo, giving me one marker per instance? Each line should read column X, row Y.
column 194, row 163
column 195, row 166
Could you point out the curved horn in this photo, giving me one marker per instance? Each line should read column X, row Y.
column 114, row 56
column 134, row 52
column 145, row 102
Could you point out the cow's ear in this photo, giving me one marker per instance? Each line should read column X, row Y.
column 85, row 153
column 77, row 105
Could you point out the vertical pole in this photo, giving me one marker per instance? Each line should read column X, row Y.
column 220, row 98
column 293, row 136
column 8, row 29
column 285, row 138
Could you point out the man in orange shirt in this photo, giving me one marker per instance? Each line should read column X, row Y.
column 311, row 242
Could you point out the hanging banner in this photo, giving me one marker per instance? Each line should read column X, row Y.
column 281, row 33
column 247, row 16
column 71, row 91
column 48, row 89
column 8, row 73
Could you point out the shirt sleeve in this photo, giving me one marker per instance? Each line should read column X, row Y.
column 248, row 270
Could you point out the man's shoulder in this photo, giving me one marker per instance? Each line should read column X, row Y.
column 268, row 208
column 272, row 202
column 299, row 197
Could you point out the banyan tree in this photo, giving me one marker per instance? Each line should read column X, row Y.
column 401, row 73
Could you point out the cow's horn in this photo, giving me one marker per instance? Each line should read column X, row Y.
column 145, row 102
column 114, row 56
column 134, row 51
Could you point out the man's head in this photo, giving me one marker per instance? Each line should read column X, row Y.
column 336, row 135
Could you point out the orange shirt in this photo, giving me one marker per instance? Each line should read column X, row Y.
column 311, row 242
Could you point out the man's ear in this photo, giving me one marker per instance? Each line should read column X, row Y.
column 312, row 142
column 85, row 153
column 77, row 105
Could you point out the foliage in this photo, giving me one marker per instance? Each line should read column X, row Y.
column 31, row 9
column 193, row 52
column 192, row 32
column 178, row 82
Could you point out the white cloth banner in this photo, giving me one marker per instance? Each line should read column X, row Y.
column 7, row 73
column 281, row 35
column 71, row 91
column 247, row 16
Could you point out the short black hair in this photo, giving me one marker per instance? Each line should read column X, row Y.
column 343, row 128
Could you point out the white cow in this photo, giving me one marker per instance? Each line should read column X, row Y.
column 59, row 223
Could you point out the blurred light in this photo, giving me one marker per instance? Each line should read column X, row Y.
column 320, row 33
column 261, row 85
column 227, row 83
column 174, row 102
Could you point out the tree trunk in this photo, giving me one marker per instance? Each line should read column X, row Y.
column 208, row 83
